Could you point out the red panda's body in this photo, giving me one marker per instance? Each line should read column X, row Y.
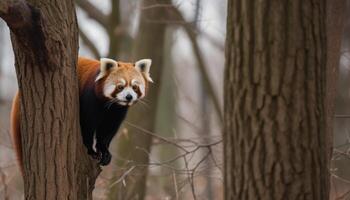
column 106, row 90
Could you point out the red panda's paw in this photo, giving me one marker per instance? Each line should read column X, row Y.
column 106, row 158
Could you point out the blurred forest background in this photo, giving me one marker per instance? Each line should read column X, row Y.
column 185, row 39
column 170, row 146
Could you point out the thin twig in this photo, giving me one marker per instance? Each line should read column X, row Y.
column 123, row 176
column 175, row 185
column 154, row 135
column 157, row 6
column 4, row 183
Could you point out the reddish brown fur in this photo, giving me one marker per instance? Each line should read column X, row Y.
column 87, row 70
column 15, row 130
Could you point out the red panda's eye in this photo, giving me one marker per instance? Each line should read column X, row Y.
column 135, row 87
column 120, row 87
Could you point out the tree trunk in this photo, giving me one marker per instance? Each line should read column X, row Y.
column 114, row 23
column 132, row 147
column 45, row 42
column 275, row 83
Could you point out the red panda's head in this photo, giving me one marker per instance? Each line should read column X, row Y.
column 124, row 83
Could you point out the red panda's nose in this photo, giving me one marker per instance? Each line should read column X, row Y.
column 128, row 97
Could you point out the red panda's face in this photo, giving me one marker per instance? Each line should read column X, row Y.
column 124, row 83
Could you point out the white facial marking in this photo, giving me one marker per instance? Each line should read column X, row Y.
column 141, row 87
column 122, row 82
column 108, row 89
column 134, row 82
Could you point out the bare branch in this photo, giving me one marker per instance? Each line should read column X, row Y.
column 175, row 185
column 89, row 44
column 156, row 136
column 4, row 183
column 122, row 178
column 157, row 6
column 93, row 12
column 25, row 21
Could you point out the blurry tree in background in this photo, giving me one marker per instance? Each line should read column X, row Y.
column 45, row 43
column 275, row 87
column 120, row 41
column 134, row 146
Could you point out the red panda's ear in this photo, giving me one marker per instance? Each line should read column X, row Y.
column 144, row 67
column 106, row 64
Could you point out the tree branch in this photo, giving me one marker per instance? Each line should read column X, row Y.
column 93, row 12
column 89, row 44
column 16, row 13
column 25, row 21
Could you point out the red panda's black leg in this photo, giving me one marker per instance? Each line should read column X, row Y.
column 107, row 129
column 88, row 123
column 88, row 139
column 87, row 131
column 102, row 144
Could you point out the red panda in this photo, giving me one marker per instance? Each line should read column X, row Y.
column 106, row 90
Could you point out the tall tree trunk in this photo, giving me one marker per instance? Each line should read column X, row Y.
column 275, row 83
column 120, row 41
column 134, row 145
column 45, row 42
column 114, row 23
column 165, row 122
column 204, row 110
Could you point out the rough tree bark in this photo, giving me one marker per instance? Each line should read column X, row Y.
column 45, row 42
column 275, row 83
column 134, row 145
